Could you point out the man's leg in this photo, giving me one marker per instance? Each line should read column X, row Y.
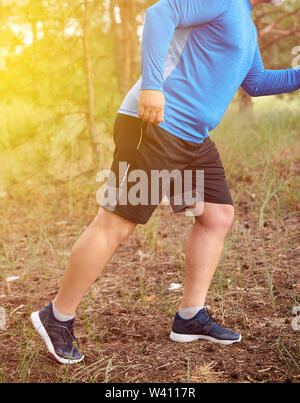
column 89, row 256
column 203, row 251
column 202, row 254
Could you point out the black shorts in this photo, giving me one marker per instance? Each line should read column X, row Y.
column 140, row 146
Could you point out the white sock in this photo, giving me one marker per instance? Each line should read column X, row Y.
column 189, row 313
column 61, row 316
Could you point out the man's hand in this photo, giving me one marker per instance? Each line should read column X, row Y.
column 151, row 107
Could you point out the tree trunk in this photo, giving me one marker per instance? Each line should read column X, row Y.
column 116, row 39
column 127, row 55
column 134, row 44
column 90, row 87
column 245, row 101
column 36, row 84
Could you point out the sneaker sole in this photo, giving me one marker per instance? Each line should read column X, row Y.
column 187, row 338
column 38, row 325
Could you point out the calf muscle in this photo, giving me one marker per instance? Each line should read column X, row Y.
column 89, row 256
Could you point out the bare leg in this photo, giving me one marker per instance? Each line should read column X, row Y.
column 89, row 256
column 203, row 251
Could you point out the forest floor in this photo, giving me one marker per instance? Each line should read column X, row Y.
column 123, row 323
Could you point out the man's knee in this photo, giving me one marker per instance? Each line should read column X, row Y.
column 216, row 217
column 116, row 226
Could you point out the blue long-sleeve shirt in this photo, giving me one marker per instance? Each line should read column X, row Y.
column 199, row 52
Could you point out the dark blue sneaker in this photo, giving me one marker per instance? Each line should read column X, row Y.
column 58, row 336
column 201, row 326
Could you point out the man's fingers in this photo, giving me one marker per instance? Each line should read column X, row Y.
column 149, row 115
column 151, row 106
column 141, row 111
column 146, row 114
column 159, row 117
column 152, row 116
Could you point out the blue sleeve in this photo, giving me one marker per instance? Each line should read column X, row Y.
column 161, row 21
column 261, row 82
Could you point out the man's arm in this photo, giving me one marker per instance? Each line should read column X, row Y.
column 260, row 82
column 161, row 21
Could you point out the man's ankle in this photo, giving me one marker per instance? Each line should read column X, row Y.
column 189, row 312
column 60, row 316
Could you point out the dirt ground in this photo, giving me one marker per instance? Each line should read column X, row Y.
column 123, row 323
